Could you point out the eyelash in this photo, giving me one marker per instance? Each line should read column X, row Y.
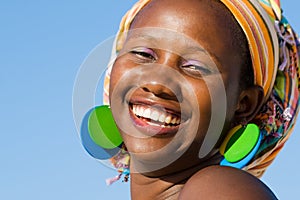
column 196, row 69
column 144, row 54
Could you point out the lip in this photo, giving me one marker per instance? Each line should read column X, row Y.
column 149, row 128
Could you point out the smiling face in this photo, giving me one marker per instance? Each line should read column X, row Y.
column 181, row 67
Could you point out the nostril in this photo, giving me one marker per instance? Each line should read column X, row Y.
column 168, row 96
column 160, row 91
column 145, row 89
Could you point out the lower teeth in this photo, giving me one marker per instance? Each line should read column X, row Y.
column 157, row 123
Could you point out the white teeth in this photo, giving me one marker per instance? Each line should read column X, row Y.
column 140, row 111
column 154, row 124
column 168, row 119
column 135, row 110
column 162, row 118
column 174, row 120
column 147, row 113
column 155, row 115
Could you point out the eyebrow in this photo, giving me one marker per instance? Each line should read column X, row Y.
column 155, row 40
column 193, row 49
column 143, row 36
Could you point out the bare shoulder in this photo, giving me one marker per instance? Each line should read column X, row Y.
column 225, row 183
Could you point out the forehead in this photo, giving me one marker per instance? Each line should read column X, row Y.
column 199, row 16
column 208, row 22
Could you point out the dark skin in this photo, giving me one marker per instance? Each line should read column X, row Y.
column 189, row 177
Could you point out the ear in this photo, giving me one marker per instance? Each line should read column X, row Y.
column 249, row 103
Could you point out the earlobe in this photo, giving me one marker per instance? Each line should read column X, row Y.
column 249, row 103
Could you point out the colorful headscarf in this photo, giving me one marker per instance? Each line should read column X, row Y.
column 275, row 52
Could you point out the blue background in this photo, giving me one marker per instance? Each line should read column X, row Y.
column 42, row 45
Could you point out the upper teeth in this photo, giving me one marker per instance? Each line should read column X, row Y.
column 155, row 114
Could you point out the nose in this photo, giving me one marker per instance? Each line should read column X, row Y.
column 172, row 91
column 162, row 91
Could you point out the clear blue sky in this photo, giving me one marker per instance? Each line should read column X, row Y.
column 42, row 45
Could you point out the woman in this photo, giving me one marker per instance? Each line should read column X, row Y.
column 191, row 82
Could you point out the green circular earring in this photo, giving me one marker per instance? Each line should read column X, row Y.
column 90, row 146
column 240, row 145
column 102, row 128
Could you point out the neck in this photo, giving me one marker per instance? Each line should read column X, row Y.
column 149, row 188
column 166, row 186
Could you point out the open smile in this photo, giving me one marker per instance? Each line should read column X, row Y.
column 155, row 120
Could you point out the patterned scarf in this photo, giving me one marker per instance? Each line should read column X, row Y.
column 275, row 52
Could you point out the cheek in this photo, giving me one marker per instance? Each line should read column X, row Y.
column 204, row 111
column 232, row 96
column 204, row 103
column 115, row 75
column 120, row 66
column 215, row 108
